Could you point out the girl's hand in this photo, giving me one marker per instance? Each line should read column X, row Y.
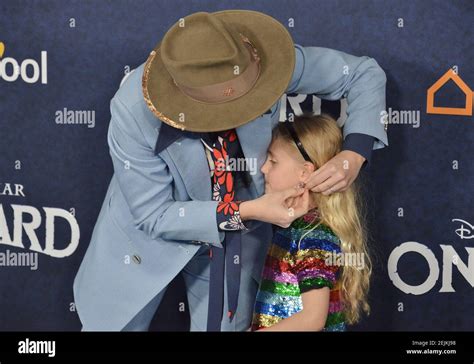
column 278, row 208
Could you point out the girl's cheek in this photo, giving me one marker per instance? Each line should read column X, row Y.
column 268, row 177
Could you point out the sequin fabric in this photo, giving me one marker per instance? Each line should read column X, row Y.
column 294, row 266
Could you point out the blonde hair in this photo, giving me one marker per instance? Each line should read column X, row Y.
column 343, row 212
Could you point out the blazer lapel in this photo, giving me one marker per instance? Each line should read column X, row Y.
column 190, row 159
column 188, row 154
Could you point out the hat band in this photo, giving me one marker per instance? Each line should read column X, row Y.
column 227, row 90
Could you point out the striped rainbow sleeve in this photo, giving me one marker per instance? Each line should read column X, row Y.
column 313, row 264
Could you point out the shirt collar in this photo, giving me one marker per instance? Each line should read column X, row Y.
column 168, row 135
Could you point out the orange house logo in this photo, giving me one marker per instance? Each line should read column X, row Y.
column 449, row 75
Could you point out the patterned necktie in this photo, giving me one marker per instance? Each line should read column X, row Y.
column 226, row 260
column 223, row 179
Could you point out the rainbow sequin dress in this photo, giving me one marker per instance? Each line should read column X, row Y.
column 291, row 270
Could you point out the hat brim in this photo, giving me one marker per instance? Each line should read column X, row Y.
column 276, row 50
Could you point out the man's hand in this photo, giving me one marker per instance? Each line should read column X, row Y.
column 337, row 174
column 278, row 208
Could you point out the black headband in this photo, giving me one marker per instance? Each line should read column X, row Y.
column 291, row 130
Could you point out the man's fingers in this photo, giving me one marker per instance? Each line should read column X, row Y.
column 302, row 204
column 340, row 186
column 315, row 173
column 292, row 192
column 330, row 183
column 316, row 179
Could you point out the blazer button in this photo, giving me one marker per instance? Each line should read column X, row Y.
column 136, row 259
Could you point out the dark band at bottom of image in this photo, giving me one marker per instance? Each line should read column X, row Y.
column 416, row 346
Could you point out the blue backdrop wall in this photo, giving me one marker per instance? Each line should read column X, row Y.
column 71, row 56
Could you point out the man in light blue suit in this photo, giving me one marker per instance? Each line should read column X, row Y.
column 158, row 218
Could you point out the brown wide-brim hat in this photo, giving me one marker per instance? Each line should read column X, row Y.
column 217, row 71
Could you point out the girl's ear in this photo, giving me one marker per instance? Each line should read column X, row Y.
column 308, row 168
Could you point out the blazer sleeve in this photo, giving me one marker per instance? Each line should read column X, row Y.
column 146, row 183
column 332, row 75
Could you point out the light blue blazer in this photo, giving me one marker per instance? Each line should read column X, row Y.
column 158, row 208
